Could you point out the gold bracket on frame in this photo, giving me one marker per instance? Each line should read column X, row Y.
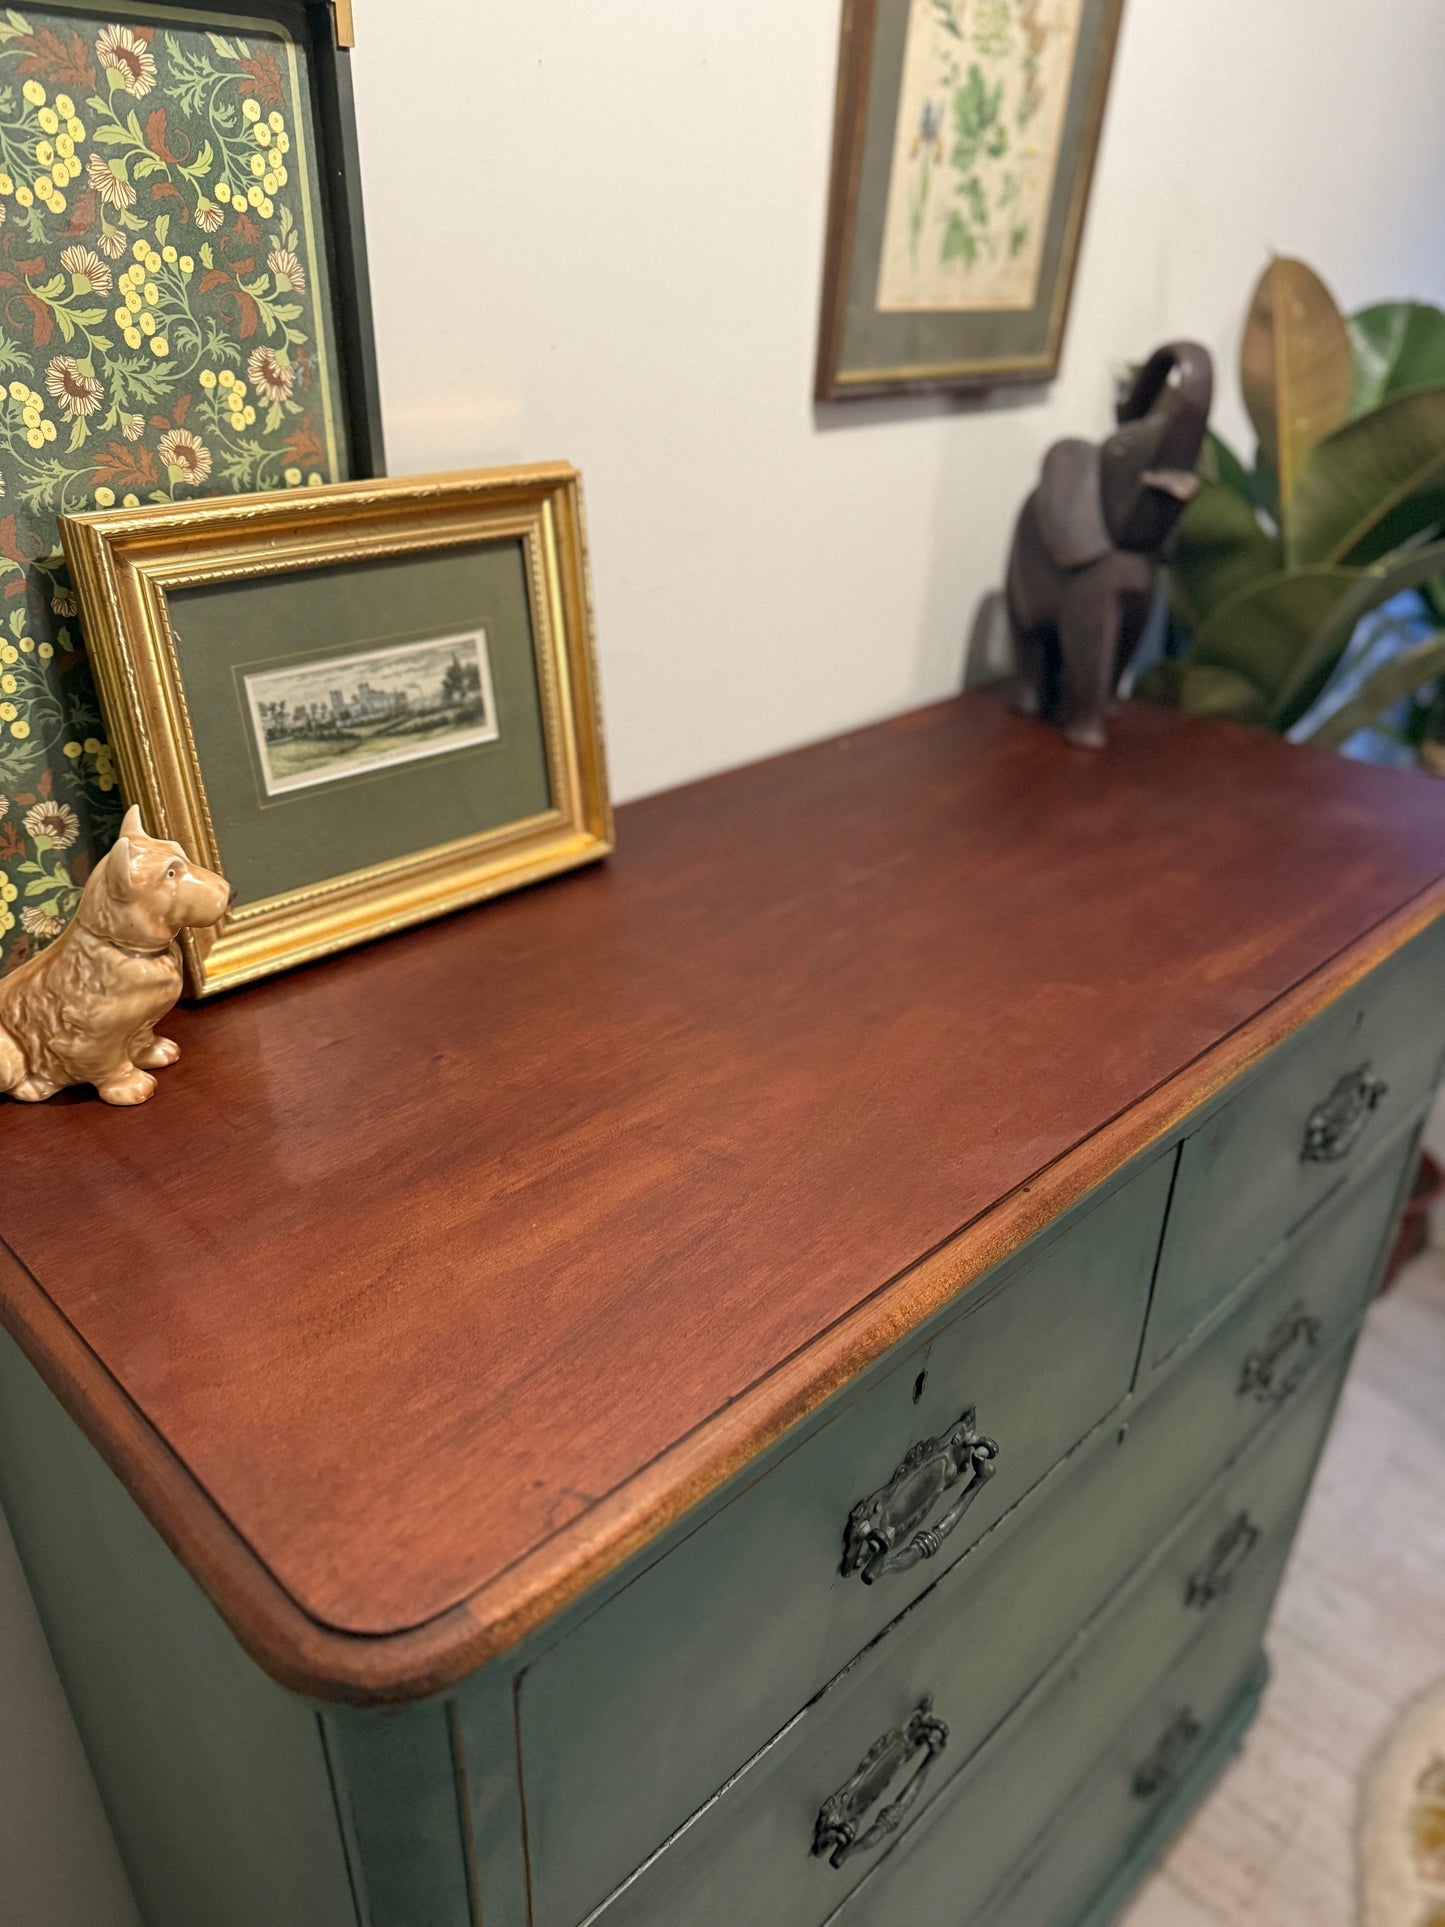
column 345, row 25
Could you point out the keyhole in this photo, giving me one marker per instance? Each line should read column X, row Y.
column 918, row 1385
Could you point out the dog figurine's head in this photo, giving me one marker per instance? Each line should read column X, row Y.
column 144, row 890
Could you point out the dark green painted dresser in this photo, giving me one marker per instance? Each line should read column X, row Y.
column 771, row 1381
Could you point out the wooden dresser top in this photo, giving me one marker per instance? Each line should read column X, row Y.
column 438, row 1278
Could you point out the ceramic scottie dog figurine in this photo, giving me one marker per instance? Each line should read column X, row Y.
column 84, row 1011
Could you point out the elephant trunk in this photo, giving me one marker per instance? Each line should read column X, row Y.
column 1146, row 468
column 1188, row 371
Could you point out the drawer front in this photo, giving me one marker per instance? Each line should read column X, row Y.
column 629, row 1723
column 990, row 1821
column 1170, row 1750
column 1271, row 1344
column 870, row 1741
column 1298, row 1130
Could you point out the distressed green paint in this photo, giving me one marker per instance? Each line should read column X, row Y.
column 235, row 1802
column 970, row 1842
column 1247, row 1152
column 975, row 1645
column 491, row 1793
column 214, row 1779
column 1103, row 1845
column 1044, row 1353
column 395, row 1777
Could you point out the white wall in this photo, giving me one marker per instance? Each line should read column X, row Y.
column 596, row 232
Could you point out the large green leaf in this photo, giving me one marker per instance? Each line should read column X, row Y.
column 1218, row 548
column 1296, row 367
column 1204, row 691
column 1410, row 570
column 1399, row 346
column 1391, row 683
column 1259, row 486
column 1264, row 632
column 1375, row 481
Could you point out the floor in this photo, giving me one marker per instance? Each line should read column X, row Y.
column 1359, row 1630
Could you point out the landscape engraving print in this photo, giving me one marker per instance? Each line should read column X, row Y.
column 976, row 150
column 348, row 715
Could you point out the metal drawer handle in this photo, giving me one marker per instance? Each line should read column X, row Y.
column 1334, row 1127
column 929, row 1469
column 1220, row 1570
column 836, row 1833
column 1267, row 1376
column 1163, row 1763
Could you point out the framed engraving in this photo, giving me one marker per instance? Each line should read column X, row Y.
column 348, row 715
column 364, row 705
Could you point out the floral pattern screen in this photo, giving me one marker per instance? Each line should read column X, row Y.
column 163, row 334
column 980, row 123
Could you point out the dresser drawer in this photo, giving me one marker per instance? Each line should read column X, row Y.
column 749, row 1853
column 1173, row 1744
column 1270, row 1344
column 1300, row 1128
column 629, row 1723
column 1091, row 1718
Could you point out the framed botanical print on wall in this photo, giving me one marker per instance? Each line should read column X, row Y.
column 963, row 147
column 183, row 312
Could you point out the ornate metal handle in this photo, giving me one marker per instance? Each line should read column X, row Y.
column 1220, row 1570
column 836, row 1833
column 1265, row 1374
column 1333, row 1127
column 929, row 1469
column 1163, row 1763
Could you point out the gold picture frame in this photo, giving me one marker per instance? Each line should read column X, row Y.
column 906, row 116
column 132, row 566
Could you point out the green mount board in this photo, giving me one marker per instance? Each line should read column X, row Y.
column 178, row 214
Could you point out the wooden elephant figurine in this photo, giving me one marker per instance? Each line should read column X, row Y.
column 1082, row 568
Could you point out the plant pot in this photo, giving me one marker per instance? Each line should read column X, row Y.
column 1410, row 1240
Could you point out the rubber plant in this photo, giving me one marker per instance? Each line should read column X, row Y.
column 1274, row 565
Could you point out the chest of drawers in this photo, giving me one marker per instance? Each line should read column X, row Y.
column 770, row 1382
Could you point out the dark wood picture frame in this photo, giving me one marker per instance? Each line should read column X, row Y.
column 327, row 30
column 327, row 26
column 937, row 349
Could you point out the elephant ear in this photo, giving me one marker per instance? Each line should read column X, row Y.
column 1070, row 505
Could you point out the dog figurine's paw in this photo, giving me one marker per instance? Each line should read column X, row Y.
column 158, row 1053
column 34, row 1090
column 132, row 1087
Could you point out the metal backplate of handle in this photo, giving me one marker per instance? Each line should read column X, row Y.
column 1275, row 1369
column 1164, row 1762
column 921, row 1737
column 1332, row 1129
column 1220, row 1570
column 885, row 1532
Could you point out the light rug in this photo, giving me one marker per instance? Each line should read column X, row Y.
column 1403, row 1838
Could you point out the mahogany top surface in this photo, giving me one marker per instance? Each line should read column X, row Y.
column 422, row 1253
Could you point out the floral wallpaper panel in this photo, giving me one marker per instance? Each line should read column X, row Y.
column 163, row 334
